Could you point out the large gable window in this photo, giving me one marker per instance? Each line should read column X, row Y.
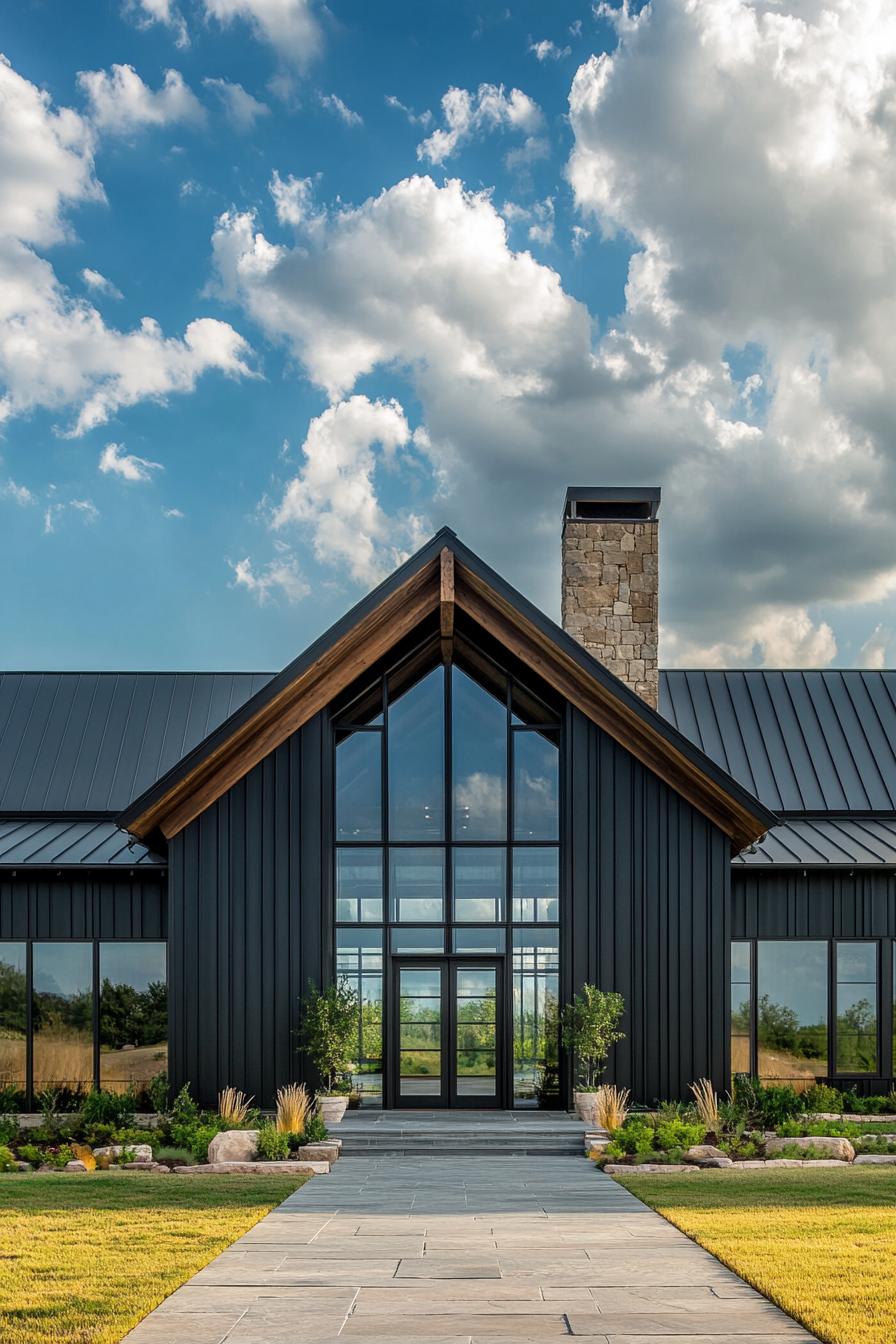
column 447, row 836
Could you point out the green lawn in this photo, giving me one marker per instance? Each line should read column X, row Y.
column 820, row 1244
column 84, row 1258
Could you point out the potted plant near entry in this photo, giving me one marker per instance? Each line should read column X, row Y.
column 329, row 1034
column 589, row 1027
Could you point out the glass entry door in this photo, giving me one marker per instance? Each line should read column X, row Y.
column 447, row 1033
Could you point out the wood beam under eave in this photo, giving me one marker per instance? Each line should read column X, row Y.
column 446, row 603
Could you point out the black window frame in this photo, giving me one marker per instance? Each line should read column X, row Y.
column 94, row 944
column 886, row 1005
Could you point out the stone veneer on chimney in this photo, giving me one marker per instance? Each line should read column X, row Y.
column 611, row 580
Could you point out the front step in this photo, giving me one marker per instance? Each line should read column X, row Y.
column 462, row 1135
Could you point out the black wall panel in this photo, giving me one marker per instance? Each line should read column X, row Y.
column 250, row 922
column 82, row 905
column 647, row 914
column 813, row 903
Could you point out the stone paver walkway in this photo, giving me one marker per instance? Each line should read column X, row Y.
column 465, row 1251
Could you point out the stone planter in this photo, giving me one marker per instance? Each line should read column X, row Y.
column 332, row 1109
column 585, row 1103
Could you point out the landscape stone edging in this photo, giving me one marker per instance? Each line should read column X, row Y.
column 289, row 1167
column 676, row 1168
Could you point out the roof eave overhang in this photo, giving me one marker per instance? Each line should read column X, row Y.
column 444, row 575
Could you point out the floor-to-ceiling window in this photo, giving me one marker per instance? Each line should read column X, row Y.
column 98, row 1018
column 447, row 829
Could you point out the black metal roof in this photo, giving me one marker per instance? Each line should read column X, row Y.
column 701, row 762
column 92, row 741
column 803, row 742
column 826, row 842
column 66, row 842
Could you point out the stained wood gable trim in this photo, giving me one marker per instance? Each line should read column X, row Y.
column 443, row 585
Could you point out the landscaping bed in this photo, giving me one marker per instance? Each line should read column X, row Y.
column 821, row 1244
column 103, row 1135
column 85, row 1260
column 756, row 1126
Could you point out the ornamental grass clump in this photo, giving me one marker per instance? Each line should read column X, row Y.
column 233, row 1106
column 293, row 1104
column 611, row 1107
column 707, row 1104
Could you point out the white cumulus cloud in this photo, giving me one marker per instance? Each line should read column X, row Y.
column 545, row 50
column 120, row 102
column 334, row 494
column 56, row 350
column 291, row 27
column 99, row 284
column 761, row 218
column 333, row 103
column 467, row 115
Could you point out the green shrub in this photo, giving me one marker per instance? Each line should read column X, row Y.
column 12, row 1099
column 58, row 1157
column 7, row 1159
column 9, row 1129
column 29, row 1152
column 272, row 1145
column 195, row 1136
column 158, row 1092
column 880, row 1147
column 823, row 1098
column 133, row 1135
column 184, row 1109
column 678, row 1134
column 107, row 1108
column 169, row 1154
column 315, row 1129
column 868, row 1105
column 792, row 1150
column 767, row 1106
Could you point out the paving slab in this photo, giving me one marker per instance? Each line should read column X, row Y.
column 479, row 1250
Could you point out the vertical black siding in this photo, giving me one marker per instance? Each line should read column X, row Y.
column 250, row 922
column 82, row 906
column 647, row 914
column 813, row 903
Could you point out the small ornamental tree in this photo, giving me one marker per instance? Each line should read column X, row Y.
column 589, row 1027
column 329, row 1032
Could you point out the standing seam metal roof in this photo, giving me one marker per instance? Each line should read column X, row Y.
column 803, row 742
column 92, row 741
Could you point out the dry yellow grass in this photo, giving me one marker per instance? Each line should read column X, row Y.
column 84, row 1258
column 820, row 1244
column 233, row 1105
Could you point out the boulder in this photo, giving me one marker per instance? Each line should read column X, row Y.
column 138, row 1166
column 142, row 1152
column 317, row 1152
column 234, row 1145
column 876, row 1159
column 705, row 1154
column 75, row 1166
column 841, row 1149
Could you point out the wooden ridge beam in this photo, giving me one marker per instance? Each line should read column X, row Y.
column 446, row 603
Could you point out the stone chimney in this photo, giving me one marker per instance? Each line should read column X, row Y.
column 611, row 580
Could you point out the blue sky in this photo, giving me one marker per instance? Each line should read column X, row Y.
column 706, row 375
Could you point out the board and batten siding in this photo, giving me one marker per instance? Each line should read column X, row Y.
column 647, row 914
column 77, row 906
column 250, row 922
column 813, row 903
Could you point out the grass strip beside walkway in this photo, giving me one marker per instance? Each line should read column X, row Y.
column 822, row 1245
column 84, row 1258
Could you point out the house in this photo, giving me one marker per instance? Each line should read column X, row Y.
column 467, row 812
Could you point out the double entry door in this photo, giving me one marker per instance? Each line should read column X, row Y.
column 446, row 1032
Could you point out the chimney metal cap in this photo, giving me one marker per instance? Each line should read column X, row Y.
column 611, row 503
